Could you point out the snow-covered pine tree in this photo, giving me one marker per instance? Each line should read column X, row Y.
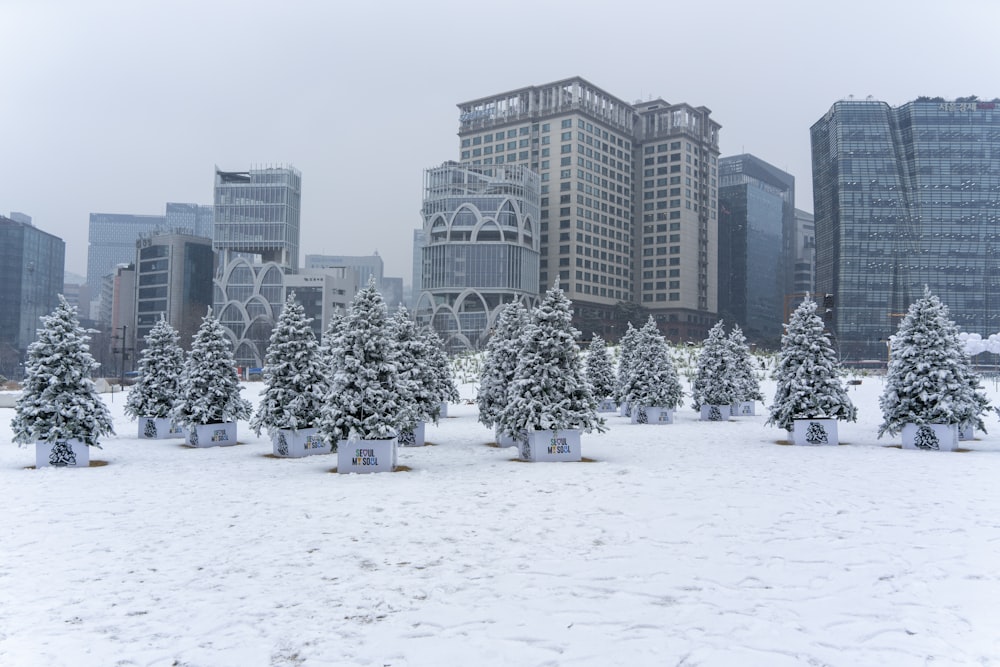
column 600, row 373
column 652, row 380
column 59, row 401
column 808, row 374
column 329, row 349
column 419, row 395
column 444, row 380
column 501, row 361
column 364, row 396
column 748, row 386
column 626, row 350
column 161, row 365
column 930, row 379
column 715, row 382
column 549, row 390
column 210, row 389
column 294, row 374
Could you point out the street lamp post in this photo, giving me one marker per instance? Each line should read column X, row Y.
column 123, row 341
column 121, row 380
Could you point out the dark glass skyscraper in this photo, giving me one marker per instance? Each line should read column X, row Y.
column 31, row 279
column 906, row 197
column 756, row 224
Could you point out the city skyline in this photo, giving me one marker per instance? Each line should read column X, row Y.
column 106, row 102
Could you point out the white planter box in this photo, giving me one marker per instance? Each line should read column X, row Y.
column 563, row 445
column 607, row 405
column 967, row 432
column 624, row 410
column 414, row 438
column 295, row 444
column 715, row 413
column 159, row 428
column 652, row 415
column 506, row 440
column 366, row 455
column 744, row 409
column 444, row 410
column 815, row 432
column 943, row 437
column 211, row 435
column 70, row 453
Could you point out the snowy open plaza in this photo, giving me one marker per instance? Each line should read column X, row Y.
column 695, row 543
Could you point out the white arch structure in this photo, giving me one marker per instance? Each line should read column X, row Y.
column 477, row 218
column 243, row 308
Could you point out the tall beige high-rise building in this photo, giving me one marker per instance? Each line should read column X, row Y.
column 628, row 198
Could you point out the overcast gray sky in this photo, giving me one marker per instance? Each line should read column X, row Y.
column 120, row 107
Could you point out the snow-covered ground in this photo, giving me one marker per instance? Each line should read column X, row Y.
column 689, row 544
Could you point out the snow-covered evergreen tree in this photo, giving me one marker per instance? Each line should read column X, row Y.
column 294, row 374
column 600, row 372
column 329, row 348
column 500, row 362
column 443, row 379
column 59, row 400
column 210, row 389
column 808, row 374
column 715, row 382
column 549, row 390
column 161, row 365
column 626, row 353
column 652, row 379
column 930, row 379
column 364, row 394
column 419, row 394
column 748, row 387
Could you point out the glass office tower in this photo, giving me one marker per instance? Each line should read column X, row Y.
column 906, row 197
column 256, row 238
column 31, row 279
column 481, row 248
column 756, row 225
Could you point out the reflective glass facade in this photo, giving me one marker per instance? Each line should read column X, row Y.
column 756, row 223
column 906, row 197
column 256, row 236
column 174, row 280
column 481, row 248
column 257, row 211
column 31, row 278
column 112, row 238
